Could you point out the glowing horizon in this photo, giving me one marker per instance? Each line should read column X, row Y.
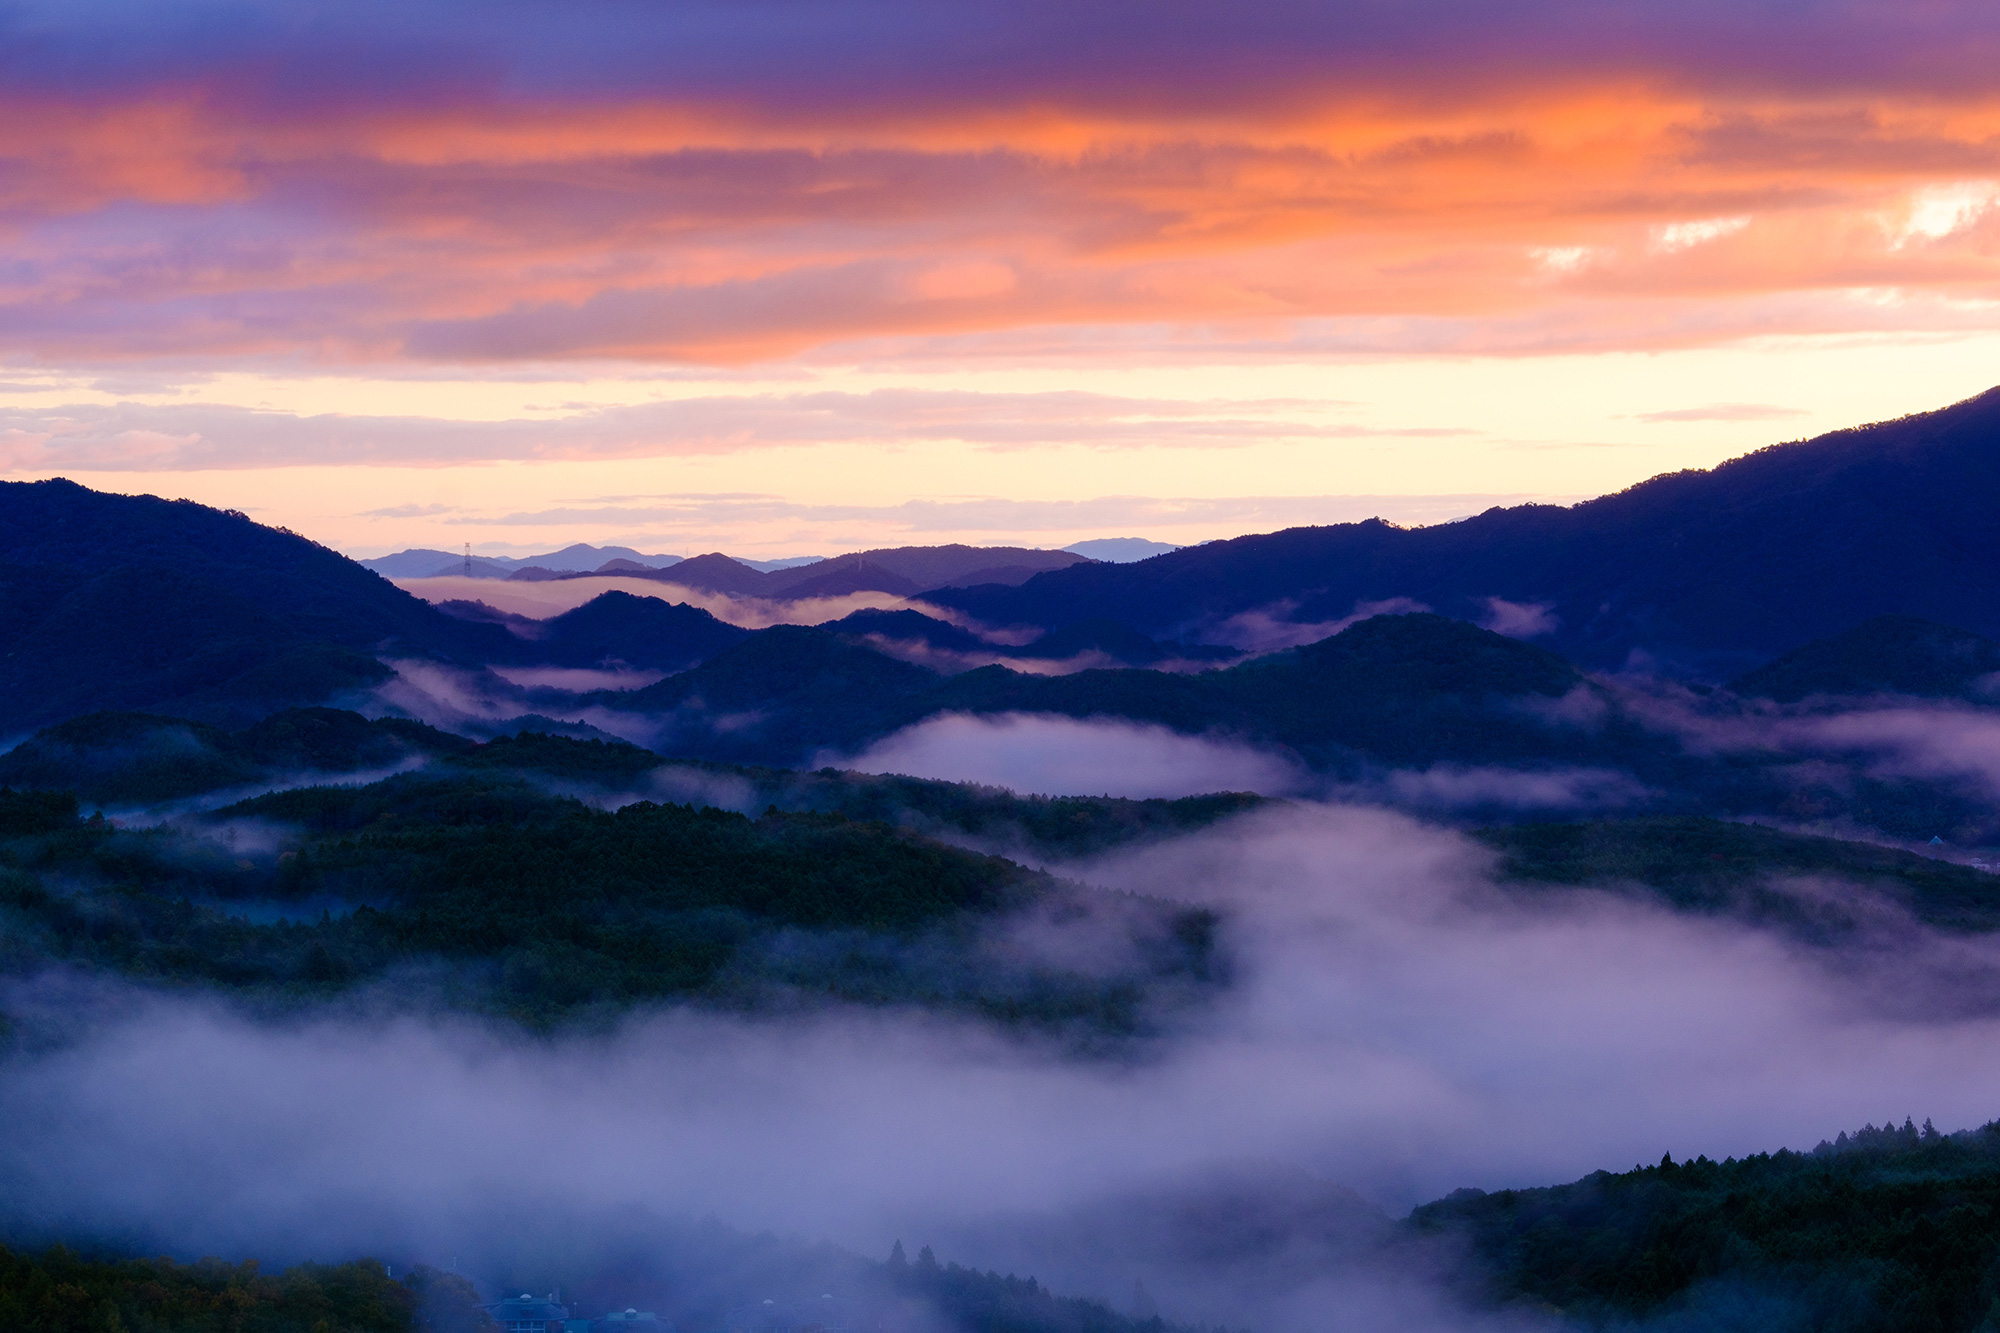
column 785, row 281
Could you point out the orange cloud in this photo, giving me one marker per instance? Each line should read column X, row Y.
column 485, row 228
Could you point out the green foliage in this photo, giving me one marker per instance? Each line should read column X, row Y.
column 1395, row 688
column 446, row 1302
column 140, row 758
column 545, row 909
column 1051, row 825
column 977, row 1302
column 1888, row 1230
column 1712, row 866
column 115, row 757
column 29, row 812
column 1888, row 654
column 58, row 1291
column 560, row 757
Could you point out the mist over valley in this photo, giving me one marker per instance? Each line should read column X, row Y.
column 1255, row 935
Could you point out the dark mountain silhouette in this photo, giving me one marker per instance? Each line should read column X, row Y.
column 1397, row 689
column 1886, row 655
column 140, row 758
column 784, row 692
column 459, row 608
column 1414, row 688
column 582, row 555
column 909, row 627
column 1118, row 641
column 638, row 631
column 438, row 564
column 842, row 576
column 134, row 602
column 423, row 562
column 716, row 572
column 1121, row 643
column 914, row 569
column 902, row 571
column 1710, row 572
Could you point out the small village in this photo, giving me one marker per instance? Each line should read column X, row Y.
column 547, row 1314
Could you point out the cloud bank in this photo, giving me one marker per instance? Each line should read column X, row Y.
column 1059, row 756
column 733, row 183
column 1398, row 1024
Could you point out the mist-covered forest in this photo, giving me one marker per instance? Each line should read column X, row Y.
column 518, row 954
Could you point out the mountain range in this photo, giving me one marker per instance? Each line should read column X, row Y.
column 904, row 571
column 423, row 562
column 287, row 859
column 583, row 558
column 1705, row 573
column 133, row 602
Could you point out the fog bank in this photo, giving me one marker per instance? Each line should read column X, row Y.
column 1399, row 1025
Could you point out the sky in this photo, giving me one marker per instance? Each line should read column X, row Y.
column 783, row 278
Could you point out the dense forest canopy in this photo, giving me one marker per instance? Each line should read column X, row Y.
column 1890, row 1229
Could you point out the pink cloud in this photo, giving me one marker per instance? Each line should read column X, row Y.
column 757, row 187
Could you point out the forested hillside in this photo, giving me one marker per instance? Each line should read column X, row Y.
column 1888, row 1229
column 487, row 893
column 1712, row 571
column 58, row 1291
column 117, row 601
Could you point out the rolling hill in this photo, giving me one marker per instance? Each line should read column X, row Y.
column 1705, row 572
column 1885, row 655
column 119, row 601
column 902, row 571
column 1412, row 688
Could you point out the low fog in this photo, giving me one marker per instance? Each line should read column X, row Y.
column 539, row 601
column 1399, row 1026
column 1056, row 756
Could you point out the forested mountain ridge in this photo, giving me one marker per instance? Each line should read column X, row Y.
column 138, row 603
column 1885, row 655
column 1389, row 688
column 1715, row 867
column 495, row 879
column 1708, row 570
column 59, row 1291
column 1888, row 1229
column 486, row 893
column 690, row 1275
column 137, row 761
column 119, row 601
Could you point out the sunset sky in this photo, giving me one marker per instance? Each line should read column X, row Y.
column 792, row 278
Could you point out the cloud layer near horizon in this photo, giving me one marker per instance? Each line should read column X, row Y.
column 133, row 436
column 715, row 184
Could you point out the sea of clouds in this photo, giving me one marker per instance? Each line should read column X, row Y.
column 1399, row 1026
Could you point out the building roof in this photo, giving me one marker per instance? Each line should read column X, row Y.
column 526, row 1309
column 826, row 1312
